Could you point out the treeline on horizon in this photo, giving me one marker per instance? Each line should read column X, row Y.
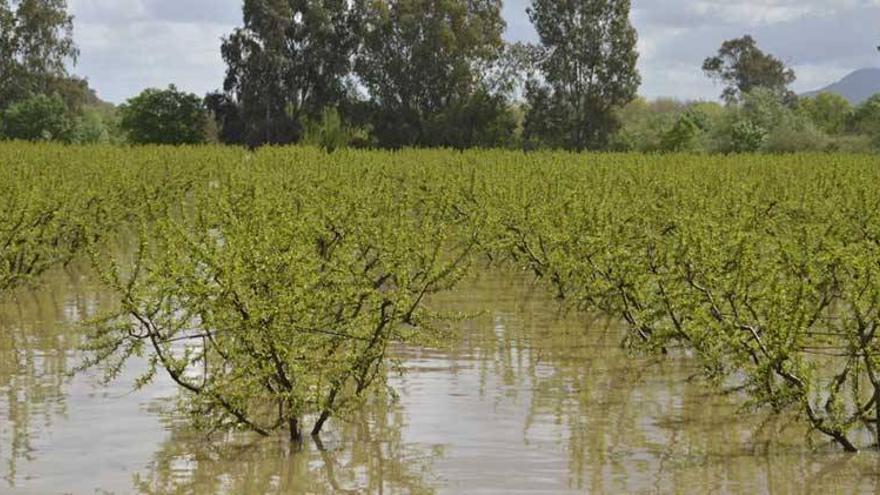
column 416, row 73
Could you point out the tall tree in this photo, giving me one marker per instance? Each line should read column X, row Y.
column 588, row 68
column 36, row 43
column 742, row 67
column 420, row 63
column 288, row 62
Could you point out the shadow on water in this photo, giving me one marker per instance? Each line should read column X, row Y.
column 522, row 400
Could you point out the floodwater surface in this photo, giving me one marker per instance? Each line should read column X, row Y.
column 522, row 400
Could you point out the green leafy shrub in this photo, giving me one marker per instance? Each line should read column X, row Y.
column 166, row 116
column 89, row 128
column 747, row 137
column 38, row 118
column 828, row 111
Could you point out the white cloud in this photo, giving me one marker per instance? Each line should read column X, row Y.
column 822, row 40
column 127, row 45
column 103, row 12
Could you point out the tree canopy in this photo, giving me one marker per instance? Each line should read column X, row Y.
column 39, row 118
column 830, row 112
column 419, row 65
column 166, row 116
column 36, row 43
column 742, row 67
column 288, row 62
column 588, row 68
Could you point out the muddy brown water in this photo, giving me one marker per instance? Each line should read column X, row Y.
column 522, row 400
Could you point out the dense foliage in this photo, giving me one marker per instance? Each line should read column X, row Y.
column 764, row 270
column 588, row 66
column 288, row 62
column 36, row 43
column 39, row 100
column 760, row 122
column 164, row 116
column 421, row 64
column 40, row 118
column 49, row 213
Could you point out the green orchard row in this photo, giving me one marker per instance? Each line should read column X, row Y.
column 270, row 285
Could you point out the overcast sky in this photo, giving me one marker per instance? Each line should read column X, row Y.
column 128, row 45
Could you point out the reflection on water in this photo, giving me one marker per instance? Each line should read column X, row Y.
column 34, row 359
column 365, row 455
column 523, row 401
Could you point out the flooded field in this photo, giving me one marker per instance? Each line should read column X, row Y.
column 523, row 400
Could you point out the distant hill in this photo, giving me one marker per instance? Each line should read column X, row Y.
column 856, row 87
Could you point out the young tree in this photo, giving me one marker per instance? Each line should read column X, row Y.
column 278, row 301
column 36, row 43
column 288, row 62
column 741, row 66
column 588, row 66
column 420, row 63
column 166, row 116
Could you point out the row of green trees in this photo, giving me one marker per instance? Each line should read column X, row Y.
column 403, row 73
column 271, row 289
column 418, row 73
column 413, row 73
column 760, row 269
column 270, row 294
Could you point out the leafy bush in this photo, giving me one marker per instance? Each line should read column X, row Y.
column 852, row 143
column 89, row 128
column 273, row 296
column 866, row 119
column 164, row 116
column 765, row 122
column 746, row 137
column 794, row 138
column 38, row 118
column 828, row 111
column 643, row 124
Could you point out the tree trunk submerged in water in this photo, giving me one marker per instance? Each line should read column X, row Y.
column 319, row 425
column 295, row 433
column 877, row 414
